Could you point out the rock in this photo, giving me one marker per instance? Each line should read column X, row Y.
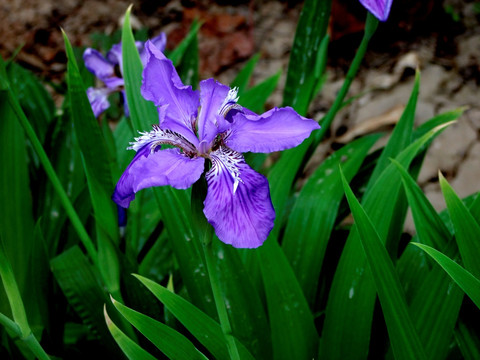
column 466, row 181
column 447, row 150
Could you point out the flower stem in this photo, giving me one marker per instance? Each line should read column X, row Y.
column 370, row 27
column 205, row 234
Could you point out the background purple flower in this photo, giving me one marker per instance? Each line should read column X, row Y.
column 209, row 124
column 379, row 8
column 109, row 70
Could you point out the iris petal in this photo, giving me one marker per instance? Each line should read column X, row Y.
column 97, row 64
column 212, row 97
column 163, row 167
column 238, row 201
column 275, row 130
column 379, row 8
column 98, row 99
column 162, row 85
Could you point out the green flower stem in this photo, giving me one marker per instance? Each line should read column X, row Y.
column 371, row 25
column 35, row 347
column 20, row 324
column 47, row 165
column 205, row 233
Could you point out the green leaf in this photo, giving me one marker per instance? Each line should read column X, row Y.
column 282, row 175
column 314, row 213
column 188, row 65
column 173, row 344
column 84, row 291
column 16, row 215
column 311, row 29
column 352, row 295
column 204, row 328
column 180, row 51
column 246, row 312
column 468, row 343
column 291, row 322
column 13, row 292
column 467, row 282
column 142, row 112
column 129, row 347
column 403, row 336
column 467, row 229
column 429, row 226
column 256, row 97
column 435, row 320
column 33, row 97
column 242, row 79
column 20, row 327
column 98, row 172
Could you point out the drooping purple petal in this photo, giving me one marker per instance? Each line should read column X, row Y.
column 277, row 129
column 238, row 201
column 379, row 8
column 212, row 96
column 163, row 167
column 97, row 64
column 162, row 85
column 98, row 98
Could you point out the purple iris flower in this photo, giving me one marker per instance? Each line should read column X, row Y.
column 209, row 124
column 110, row 71
column 379, row 8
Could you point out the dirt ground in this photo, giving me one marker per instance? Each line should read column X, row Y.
column 442, row 38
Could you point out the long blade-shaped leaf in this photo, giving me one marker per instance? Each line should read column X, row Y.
column 204, row 328
column 435, row 320
column 315, row 211
column 142, row 112
column 129, row 347
column 430, row 228
column 311, row 29
column 169, row 341
column 98, row 172
column 467, row 229
column 255, row 97
column 16, row 217
column 352, row 295
column 291, row 322
column 243, row 77
column 82, row 287
column 245, row 309
column 402, row 333
column 465, row 279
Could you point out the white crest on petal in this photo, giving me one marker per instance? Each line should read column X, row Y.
column 229, row 103
column 158, row 137
column 226, row 159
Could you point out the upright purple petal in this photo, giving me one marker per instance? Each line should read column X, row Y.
column 162, row 85
column 97, row 64
column 212, row 96
column 379, row 8
column 98, row 98
column 238, row 201
column 163, row 167
column 114, row 55
column 159, row 41
column 275, row 130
